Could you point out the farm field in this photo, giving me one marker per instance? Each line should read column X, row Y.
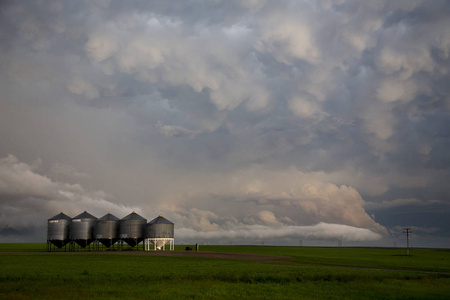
column 28, row 272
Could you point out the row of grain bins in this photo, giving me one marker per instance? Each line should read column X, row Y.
column 84, row 230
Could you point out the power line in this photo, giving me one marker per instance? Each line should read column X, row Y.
column 407, row 231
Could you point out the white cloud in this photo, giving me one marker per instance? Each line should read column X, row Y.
column 303, row 107
column 405, row 62
column 391, row 90
column 256, row 233
column 263, row 217
column 287, row 38
column 380, row 121
column 141, row 53
column 29, row 198
column 258, row 196
column 80, row 86
column 101, row 45
column 176, row 131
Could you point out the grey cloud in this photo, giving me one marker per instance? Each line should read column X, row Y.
column 27, row 197
column 399, row 229
column 353, row 94
column 67, row 171
column 401, row 202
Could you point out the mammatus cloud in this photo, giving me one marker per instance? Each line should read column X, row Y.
column 241, row 113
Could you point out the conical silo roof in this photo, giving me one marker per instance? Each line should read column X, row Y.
column 160, row 220
column 109, row 217
column 133, row 216
column 85, row 215
column 60, row 216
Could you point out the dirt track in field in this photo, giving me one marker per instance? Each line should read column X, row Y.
column 208, row 254
column 200, row 254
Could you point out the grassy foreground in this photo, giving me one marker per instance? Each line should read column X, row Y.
column 306, row 274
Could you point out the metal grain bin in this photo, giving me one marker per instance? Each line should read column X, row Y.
column 107, row 230
column 160, row 231
column 132, row 229
column 58, row 230
column 160, row 227
column 82, row 229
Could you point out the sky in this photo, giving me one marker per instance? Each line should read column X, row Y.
column 243, row 122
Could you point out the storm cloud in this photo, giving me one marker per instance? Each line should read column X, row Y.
column 244, row 120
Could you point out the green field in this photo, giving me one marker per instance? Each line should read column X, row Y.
column 28, row 272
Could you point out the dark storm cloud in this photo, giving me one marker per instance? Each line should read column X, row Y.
column 302, row 112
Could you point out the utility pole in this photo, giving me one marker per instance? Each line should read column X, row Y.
column 407, row 231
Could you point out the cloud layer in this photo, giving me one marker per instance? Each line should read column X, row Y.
column 267, row 234
column 228, row 115
column 27, row 196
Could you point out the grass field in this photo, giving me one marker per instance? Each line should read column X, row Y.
column 28, row 272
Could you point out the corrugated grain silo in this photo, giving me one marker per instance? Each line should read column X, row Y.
column 160, row 231
column 82, row 229
column 107, row 230
column 58, row 230
column 132, row 229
